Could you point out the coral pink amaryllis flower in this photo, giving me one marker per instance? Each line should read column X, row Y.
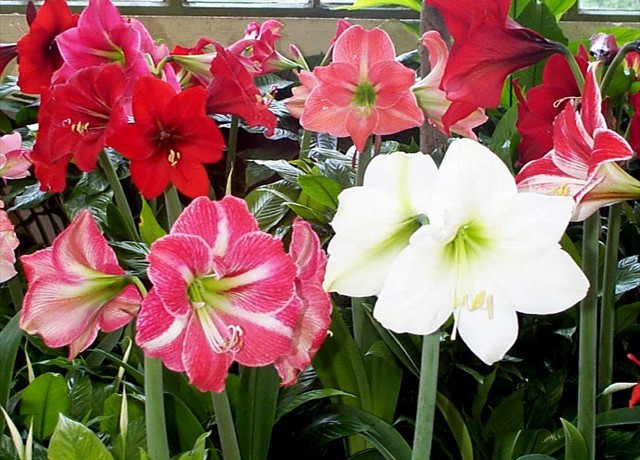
column 76, row 288
column 8, row 244
column 257, row 49
column 363, row 91
column 38, row 50
column 582, row 163
column 315, row 314
column 14, row 161
column 433, row 101
column 488, row 47
column 223, row 292
column 170, row 140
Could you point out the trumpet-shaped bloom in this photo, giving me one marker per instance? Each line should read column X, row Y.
column 14, row 161
column 8, row 244
column 223, row 292
column 488, row 47
column 363, row 91
column 76, row 288
column 314, row 317
column 257, row 49
column 486, row 253
column 582, row 163
column 38, row 50
column 433, row 101
column 170, row 140
column 374, row 222
column 8, row 51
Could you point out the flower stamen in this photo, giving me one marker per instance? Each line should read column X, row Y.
column 173, row 157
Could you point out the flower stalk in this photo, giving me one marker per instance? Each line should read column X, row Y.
column 588, row 327
column 118, row 191
column 573, row 64
column 232, row 151
column 226, row 428
column 428, row 389
column 608, row 76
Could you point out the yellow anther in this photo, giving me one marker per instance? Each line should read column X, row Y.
column 173, row 157
column 561, row 190
column 79, row 127
column 478, row 301
column 490, row 306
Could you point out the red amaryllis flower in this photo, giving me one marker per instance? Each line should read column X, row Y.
column 488, row 47
column 582, row 163
column 38, row 50
column 7, row 52
column 233, row 92
column 543, row 103
column 363, row 91
column 315, row 313
column 223, row 292
column 192, row 65
column 76, row 288
column 257, row 49
column 170, row 140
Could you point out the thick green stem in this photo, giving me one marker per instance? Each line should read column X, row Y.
column 305, row 143
column 588, row 346
column 226, row 428
column 423, row 437
column 575, row 68
column 607, row 310
column 363, row 159
column 157, row 444
column 606, row 81
column 173, row 205
column 118, row 191
column 232, row 151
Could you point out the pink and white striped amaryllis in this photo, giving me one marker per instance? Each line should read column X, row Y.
column 223, row 291
column 76, row 288
column 8, row 244
column 582, row 163
column 14, row 163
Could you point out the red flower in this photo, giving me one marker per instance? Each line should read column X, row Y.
column 543, row 104
column 635, row 393
column 488, row 47
column 170, row 140
column 257, row 49
column 233, row 92
column 7, row 52
column 38, row 51
column 191, row 65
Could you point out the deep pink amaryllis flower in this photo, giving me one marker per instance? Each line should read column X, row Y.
column 433, row 101
column 582, row 163
column 192, row 65
column 233, row 92
column 38, row 50
column 635, row 392
column 103, row 37
column 14, row 161
column 315, row 313
column 76, row 288
column 8, row 244
column 543, row 103
column 363, row 91
column 8, row 51
column 223, row 291
column 257, row 49
column 488, row 47
column 170, row 140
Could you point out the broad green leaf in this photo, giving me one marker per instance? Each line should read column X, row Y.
column 370, row 454
column 30, row 197
column 322, row 189
column 267, row 203
column 43, row 400
column 535, row 457
column 116, row 224
column 80, row 397
column 281, row 167
column 136, row 440
column 504, row 140
column 508, row 416
column 615, row 417
column 97, row 203
column 74, row 441
column 628, row 276
column 539, row 17
column 307, row 213
column 574, row 444
column 622, row 34
column 559, row 7
column 456, row 425
column 481, row 396
column 198, row 452
column 132, row 255
column 363, row 4
column 627, row 316
column 10, row 338
column 150, row 229
column 111, row 412
column 182, row 423
column 297, row 401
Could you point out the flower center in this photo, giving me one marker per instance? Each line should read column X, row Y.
column 79, row 127
column 207, row 303
column 561, row 190
column 173, row 157
column 364, row 95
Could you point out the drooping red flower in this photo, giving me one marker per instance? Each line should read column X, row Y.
column 488, row 47
column 543, row 103
column 257, row 49
column 170, row 139
column 39, row 56
column 192, row 64
column 232, row 91
column 8, row 51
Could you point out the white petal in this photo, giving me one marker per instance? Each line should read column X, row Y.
column 408, row 178
column 417, row 296
column 546, row 284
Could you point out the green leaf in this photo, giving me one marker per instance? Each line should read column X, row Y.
column 616, row 417
column 267, row 203
column 297, row 401
column 74, row 441
column 307, row 213
column 43, row 399
column 456, row 425
column 182, row 423
column 363, row 4
column 627, row 316
column 117, row 225
column 504, row 140
column 508, row 416
column 198, row 452
column 97, row 203
column 281, row 167
column 111, row 412
column 322, row 189
column 80, row 397
column 150, row 229
column 10, row 338
column 133, row 255
column 30, row 197
column 538, row 16
column 628, row 276
column 574, row 444
column 559, row 7
column 535, row 457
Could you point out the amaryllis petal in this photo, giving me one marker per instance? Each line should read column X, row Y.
column 360, row 127
column 8, row 244
column 362, row 48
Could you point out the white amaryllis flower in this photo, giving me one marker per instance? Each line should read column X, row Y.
column 486, row 253
column 375, row 221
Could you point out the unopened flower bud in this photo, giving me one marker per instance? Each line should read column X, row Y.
column 603, row 47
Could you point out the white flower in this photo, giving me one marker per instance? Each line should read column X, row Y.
column 375, row 221
column 487, row 252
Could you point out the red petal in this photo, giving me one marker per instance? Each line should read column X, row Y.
column 190, row 178
column 360, row 127
column 151, row 175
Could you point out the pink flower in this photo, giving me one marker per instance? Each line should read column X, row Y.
column 582, row 163
column 635, row 393
column 76, row 288
column 8, row 244
column 363, row 91
column 257, row 50
column 433, row 101
column 192, row 65
column 295, row 104
column 223, row 291
column 315, row 315
column 14, row 161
